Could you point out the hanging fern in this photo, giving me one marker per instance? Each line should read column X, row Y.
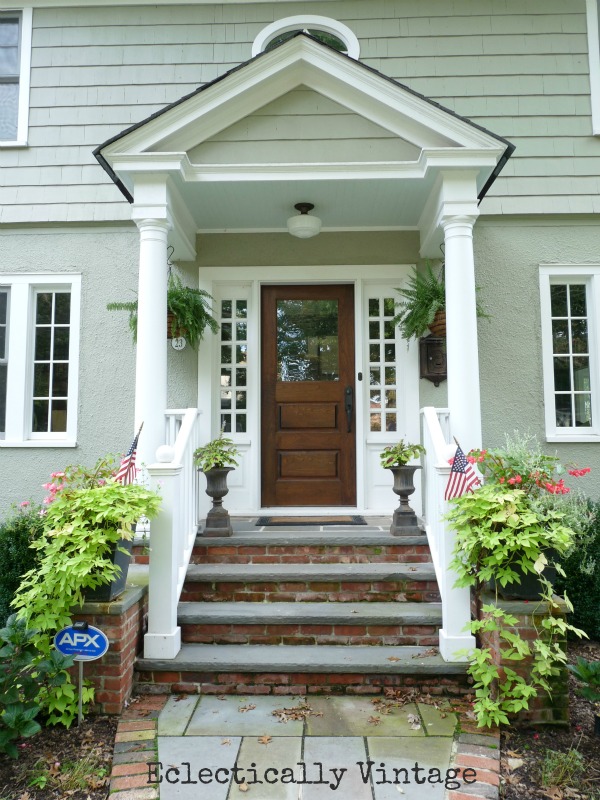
column 190, row 309
column 424, row 295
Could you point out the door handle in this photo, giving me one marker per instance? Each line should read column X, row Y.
column 349, row 405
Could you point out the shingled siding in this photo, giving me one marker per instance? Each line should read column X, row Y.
column 518, row 67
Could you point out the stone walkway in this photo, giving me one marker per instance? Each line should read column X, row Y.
column 228, row 747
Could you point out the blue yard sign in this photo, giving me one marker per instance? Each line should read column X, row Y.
column 84, row 644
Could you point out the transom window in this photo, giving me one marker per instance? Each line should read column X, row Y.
column 329, row 31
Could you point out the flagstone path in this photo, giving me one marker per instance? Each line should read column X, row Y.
column 206, row 747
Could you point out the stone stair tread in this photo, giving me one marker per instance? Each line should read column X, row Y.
column 309, row 613
column 249, row 658
column 265, row 573
column 300, row 538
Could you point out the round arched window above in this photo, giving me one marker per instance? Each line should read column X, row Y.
column 329, row 31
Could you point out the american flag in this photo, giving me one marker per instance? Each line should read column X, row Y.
column 127, row 471
column 462, row 476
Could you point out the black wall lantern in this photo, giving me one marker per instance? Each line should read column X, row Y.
column 432, row 359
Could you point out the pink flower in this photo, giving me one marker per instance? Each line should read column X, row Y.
column 512, row 481
column 24, row 504
column 501, row 480
column 518, row 479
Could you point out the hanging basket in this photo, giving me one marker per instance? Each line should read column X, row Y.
column 173, row 332
column 438, row 326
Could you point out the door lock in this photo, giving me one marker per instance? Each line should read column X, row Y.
column 349, row 405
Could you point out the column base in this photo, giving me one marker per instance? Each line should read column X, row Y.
column 450, row 645
column 162, row 645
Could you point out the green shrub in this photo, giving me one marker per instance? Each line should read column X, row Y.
column 582, row 578
column 23, row 678
column 16, row 535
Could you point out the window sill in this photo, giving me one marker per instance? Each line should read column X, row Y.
column 15, row 143
column 39, row 443
column 573, row 437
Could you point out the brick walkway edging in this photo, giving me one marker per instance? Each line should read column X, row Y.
column 135, row 745
column 481, row 752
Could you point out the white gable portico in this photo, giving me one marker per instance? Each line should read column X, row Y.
column 302, row 123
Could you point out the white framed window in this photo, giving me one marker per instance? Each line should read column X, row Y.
column 327, row 30
column 39, row 359
column 15, row 64
column 570, row 300
column 593, row 18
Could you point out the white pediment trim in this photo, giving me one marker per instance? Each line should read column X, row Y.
column 302, row 61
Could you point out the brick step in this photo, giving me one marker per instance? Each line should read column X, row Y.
column 304, row 548
column 255, row 669
column 371, row 624
column 373, row 582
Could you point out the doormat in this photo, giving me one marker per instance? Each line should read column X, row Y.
column 292, row 521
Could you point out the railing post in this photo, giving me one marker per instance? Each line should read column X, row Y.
column 163, row 639
column 456, row 606
column 456, row 602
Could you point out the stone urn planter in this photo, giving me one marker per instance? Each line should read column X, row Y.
column 216, row 459
column 218, row 522
column 395, row 457
column 404, row 521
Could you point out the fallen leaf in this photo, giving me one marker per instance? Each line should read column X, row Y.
column 374, row 721
column 243, row 787
column 433, row 651
column 514, row 763
column 226, row 741
column 414, row 722
column 265, row 739
column 393, row 658
column 221, row 697
column 249, row 707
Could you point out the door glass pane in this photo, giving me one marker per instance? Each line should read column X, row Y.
column 307, row 340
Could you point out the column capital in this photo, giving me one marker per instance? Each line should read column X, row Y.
column 452, row 222
column 145, row 221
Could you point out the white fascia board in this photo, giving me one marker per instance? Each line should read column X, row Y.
column 183, row 236
column 302, row 62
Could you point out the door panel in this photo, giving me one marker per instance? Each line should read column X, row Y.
column 308, row 434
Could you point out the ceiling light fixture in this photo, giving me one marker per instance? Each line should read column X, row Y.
column 304, row 226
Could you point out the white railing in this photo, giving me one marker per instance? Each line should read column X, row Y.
column 173, row 531
column 456, row 610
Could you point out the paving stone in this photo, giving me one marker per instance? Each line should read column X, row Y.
column 135, row 756
column 340, row 753
column 437, row 723
column 344, row 716
column 398, row 753
column 480, row 739
column 148, row 793
column 206, row 753
column 214, row 717
column 135, row 736
column 175, row 716
column 280, row 753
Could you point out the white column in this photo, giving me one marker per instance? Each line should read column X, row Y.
column 151, row 356
column 464, row 399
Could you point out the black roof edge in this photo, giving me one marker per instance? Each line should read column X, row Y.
column 509, row 146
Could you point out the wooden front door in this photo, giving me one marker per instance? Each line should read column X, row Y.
column 308, row 413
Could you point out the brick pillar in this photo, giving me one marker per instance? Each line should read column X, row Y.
column 543, row 709
column 122, row 620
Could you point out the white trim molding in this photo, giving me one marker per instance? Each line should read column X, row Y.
column 594, row 62
column 307, row 22
column 25, row 31
column 587, row 393
column 23, row 289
